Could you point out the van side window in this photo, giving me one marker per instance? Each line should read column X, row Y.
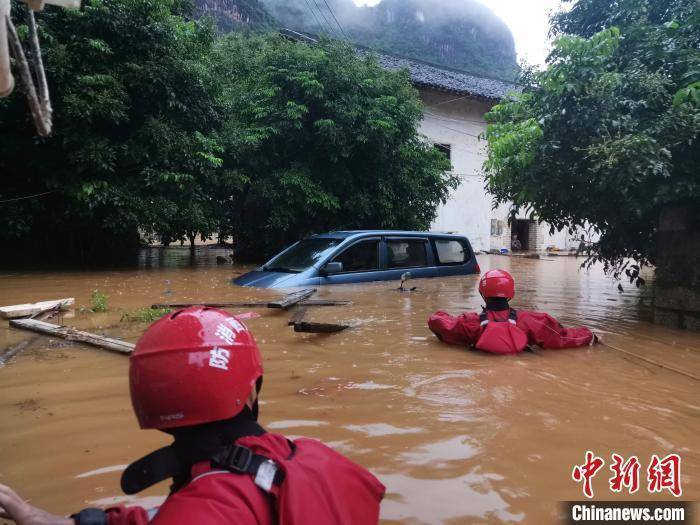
column 407, row 253
column 451, row 252
column 360, row 257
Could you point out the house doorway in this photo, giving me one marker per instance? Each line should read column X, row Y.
column 521, row 228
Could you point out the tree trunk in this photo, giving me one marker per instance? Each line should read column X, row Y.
column 677, row 286
column 192, row 237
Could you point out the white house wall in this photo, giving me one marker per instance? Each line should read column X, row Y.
column 459, row 124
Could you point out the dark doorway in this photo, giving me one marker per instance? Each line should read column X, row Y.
column 521, row 228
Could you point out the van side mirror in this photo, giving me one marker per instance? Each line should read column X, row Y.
column 333, row 267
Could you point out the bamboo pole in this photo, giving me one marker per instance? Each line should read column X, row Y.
column 42, row 123
column 7, row 81
column 652, row 362
column 252, row 304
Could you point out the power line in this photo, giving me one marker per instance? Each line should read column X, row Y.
column 15, row 199
column 457, row 130
column 453, row 119
column 330, row 27
column 308, row 4
column 336, row 20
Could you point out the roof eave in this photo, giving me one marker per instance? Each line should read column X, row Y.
column 458, row 92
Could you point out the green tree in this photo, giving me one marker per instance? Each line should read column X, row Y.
column 162, row 128
column 606, row 136
column 323, row 139
column 135, row 114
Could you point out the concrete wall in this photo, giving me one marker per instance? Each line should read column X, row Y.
column 459, row 123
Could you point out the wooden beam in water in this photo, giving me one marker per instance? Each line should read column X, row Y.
column 291, row 299
column 71, row 334
column 319, row 328
column 25, row 310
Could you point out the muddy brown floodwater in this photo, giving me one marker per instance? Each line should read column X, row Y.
column 456, row 436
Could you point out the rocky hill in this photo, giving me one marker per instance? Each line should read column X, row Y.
column 461, row 34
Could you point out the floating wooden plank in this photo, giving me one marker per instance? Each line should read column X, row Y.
column 25, row 310
column 71, row 334
column 298, row 316
column 291, row 299
column 319, row 328
column 253, row 304
column 13, row 350
column 326, row 302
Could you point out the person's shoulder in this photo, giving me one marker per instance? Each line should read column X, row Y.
column 217, row 497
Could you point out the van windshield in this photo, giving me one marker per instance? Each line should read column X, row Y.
column 303, row 254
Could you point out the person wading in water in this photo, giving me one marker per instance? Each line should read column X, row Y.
column 499, row 329
column 196, row 375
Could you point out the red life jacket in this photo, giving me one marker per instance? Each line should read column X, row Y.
column 501, row 336
column 312, row 485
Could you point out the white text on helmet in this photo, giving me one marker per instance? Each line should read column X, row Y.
column 227, row 334
column 218, row 358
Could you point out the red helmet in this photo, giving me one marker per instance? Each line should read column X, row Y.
column 193, row 366
column 497, row 283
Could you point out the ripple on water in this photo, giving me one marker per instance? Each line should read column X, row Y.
column 103, row 470
column 439, row 500
column 294, row 423
column 438, row 453
column 382, row 429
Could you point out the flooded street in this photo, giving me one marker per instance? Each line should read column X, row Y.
column 456, row 436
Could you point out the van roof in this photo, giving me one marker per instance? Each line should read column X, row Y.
column 344, row 234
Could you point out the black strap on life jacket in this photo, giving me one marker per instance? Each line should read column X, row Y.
column 240, row 459
column 484, row 320
column 211, row 441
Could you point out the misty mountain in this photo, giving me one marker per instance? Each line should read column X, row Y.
column 236, row 15
column 463, row 34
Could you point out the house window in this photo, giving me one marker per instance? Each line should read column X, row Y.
column 496, row 227
column 446, row 150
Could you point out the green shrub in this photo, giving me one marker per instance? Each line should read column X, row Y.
column 99, row 301
column 145, row 315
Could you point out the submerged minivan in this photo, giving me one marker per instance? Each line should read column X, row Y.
column 345, row 257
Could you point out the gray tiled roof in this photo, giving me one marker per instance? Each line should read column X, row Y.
column 425, row 74
column 440, row 78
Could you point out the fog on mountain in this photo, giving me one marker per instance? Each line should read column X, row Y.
column 462, row 34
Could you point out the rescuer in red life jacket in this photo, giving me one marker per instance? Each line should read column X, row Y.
column 499, row 329
column 196, row 375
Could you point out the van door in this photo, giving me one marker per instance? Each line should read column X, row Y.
column 408, row 254
column 360, row 263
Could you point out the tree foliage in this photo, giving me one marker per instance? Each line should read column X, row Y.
column 164, row 129
column 323, row 139
column 606, row 136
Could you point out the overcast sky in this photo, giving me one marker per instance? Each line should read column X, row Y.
column 527, row 19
